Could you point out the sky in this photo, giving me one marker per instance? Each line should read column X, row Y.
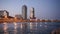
column 44, row 9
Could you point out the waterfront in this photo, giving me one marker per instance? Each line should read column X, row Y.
column 28, row 27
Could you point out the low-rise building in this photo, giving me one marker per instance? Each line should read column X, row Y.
column 18, row 16
column 3, row 13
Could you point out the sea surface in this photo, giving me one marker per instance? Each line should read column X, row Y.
column 28, row 27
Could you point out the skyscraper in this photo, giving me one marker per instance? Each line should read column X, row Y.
column 32, row 13
column 24, row 12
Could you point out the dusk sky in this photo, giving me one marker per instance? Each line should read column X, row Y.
column 44, row 9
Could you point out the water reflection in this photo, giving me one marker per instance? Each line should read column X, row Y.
column 33, row 28
column 5, row 28
column 40, row 24
column 28, row 28
column 15, row 28
column 21, row 26
column 45, row 24
column 31, row 25
column 15, row 24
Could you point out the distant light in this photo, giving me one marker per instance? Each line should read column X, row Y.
column 30, row 25
column 5, row 27
column 15, row 24
column 21, row 26
column 4, row 23
column 40, row 25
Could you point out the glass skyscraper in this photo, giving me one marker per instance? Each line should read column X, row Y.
column 24, row 12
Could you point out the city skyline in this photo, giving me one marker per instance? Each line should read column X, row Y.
column 44, row 9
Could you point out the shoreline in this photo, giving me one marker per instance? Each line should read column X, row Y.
column 27, row 20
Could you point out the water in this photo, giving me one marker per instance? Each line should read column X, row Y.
column 28, row 27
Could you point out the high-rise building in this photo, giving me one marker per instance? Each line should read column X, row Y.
column 3, row 13
column 24, row 12
column 32, row 13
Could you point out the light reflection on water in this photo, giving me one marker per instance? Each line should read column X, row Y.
column 21, row 25
column 5, row 28
column 15, row 28
column 28, row 28
column 15, row 24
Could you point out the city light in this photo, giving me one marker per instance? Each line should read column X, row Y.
column 15, row 24
column 29, row 17
column 5, row 28
column 31, row 25
column 21, row 26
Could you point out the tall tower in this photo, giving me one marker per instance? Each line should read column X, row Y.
column 24, row 12
column 32, row 13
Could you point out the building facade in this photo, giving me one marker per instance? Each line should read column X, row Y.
column 3, row 13
column 18, row 16
column 24, row 12
column 32, row 13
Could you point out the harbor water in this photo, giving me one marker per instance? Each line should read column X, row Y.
column 28, row 27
